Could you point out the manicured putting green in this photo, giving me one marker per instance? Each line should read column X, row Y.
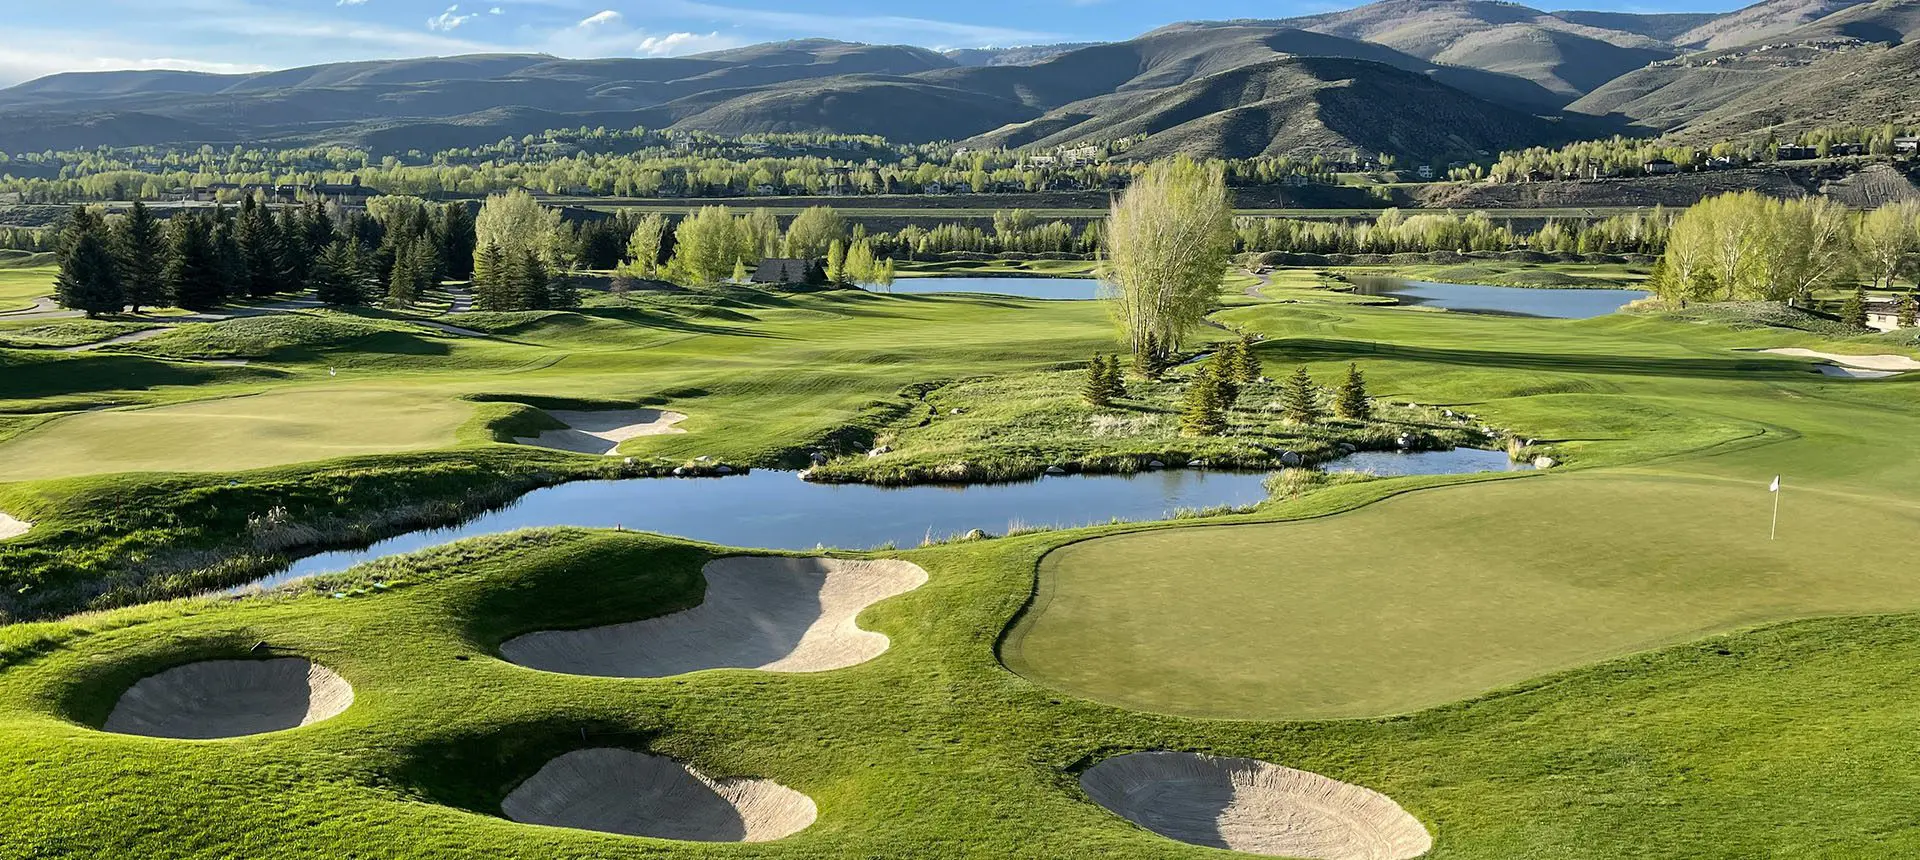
column 1436, row 596
column 237, row 433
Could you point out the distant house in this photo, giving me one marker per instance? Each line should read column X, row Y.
column 1797, row 153
column 1424, row 171
column 1884, row 315
column 1906, row 144
column 1662, row 167
column 783, row 270
column 1847, row 149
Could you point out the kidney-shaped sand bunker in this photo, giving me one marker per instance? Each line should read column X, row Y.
column 1244, row 804
column 774, row 614
column 636, row 794
column 230, row 698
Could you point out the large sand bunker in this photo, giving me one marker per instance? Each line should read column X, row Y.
column 601, row 432
column 1888, row 363
column 775, row 614
column 11, row 528
column 635, row 794
column 1248, row 805
column 230, row 698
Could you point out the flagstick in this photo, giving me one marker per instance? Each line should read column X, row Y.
column 1774, row 533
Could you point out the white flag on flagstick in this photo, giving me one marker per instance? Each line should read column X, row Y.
column 1773, row 532
column 1776, row 485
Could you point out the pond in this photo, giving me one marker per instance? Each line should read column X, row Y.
column 1070, row 289
column 1509, row 301
column 777, row 510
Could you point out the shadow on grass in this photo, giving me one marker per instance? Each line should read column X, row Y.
column 1626, row 365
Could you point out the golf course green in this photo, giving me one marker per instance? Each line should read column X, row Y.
column 1608, row 658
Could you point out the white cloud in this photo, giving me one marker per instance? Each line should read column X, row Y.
column 349, row 2
column 449, row 19
column 600, row 19
column 676, row 44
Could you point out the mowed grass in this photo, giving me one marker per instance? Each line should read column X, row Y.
column 237, row 433
column 19, row 288
column 1445, row 593
column 758, row 373
column 1436, row 596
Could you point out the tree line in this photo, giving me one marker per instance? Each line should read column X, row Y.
column 1619, row 155
column 1747, row 246
column 202, row 260
column 1396, row 232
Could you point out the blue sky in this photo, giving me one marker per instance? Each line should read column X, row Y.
column 247, row 35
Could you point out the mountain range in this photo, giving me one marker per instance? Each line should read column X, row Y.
column 1421, row 79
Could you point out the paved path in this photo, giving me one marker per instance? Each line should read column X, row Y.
column 143, row 334
column 1266, row 280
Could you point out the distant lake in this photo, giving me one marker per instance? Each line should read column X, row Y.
column 1065, row 289
column 1509, row 301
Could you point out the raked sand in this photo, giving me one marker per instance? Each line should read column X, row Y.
column 636, row 794
column 768, row 613
column 1884, row 362
column 1248, row 805
column 603, row 431
column 230, row 698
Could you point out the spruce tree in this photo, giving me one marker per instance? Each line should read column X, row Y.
column 1300, row 398
column 1910, row 310
column 492, row 282
column 89, row 279
column 1351, row 402
column 336, row 276
column 296, row 257
column 1223, row 367
column 562, row 292
column 530, row 281
column 1853, row 311
column 191, row 273
column 1096, row 389
column 1248, row 368
column 1147, row 359
column 1115, row 378
column 140, row 243
column 405, row 278
column 455, row 235
column 1202, row 413
column 230, row 259
column 260, row 244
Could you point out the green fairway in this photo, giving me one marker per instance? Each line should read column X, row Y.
column 237, row 433
column 19, row 288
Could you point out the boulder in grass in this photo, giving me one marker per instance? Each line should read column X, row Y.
column 1290, row 458
column 1545, row 462
column 1056, row 470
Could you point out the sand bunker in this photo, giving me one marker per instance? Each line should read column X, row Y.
column 1247, row 805
column 601, row 432
column 775, row 614
column 1892, row 363
column 11, row 528
column 230, row 698
column 1839, row 372
column 635, row 794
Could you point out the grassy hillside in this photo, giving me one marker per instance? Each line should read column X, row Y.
column 1300, row 106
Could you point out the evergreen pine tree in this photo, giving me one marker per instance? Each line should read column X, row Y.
column 230, row 259
column 1223, row 367
column 89, row 279
column 1146, row 360
column 191, row 273
column 492, row 282
column 140, row 243
column 1202, row 413
column 296, row 257
column 404, row 280
column 1116, row 379
column 1853, row 311
column 562, row 291
column 1351, row 402
column 1247, row 369
column 1910, row 310
column 1300, row 398
column 1095, row 389
column 260, row 244
column 530, row 281
column 336, row 276
column 455, row 234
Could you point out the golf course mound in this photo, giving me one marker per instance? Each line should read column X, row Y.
column 230, row 699
column 773, row 614
column 12, row 528
column 635, row 794
column 601, row 432
column 1244, row 804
